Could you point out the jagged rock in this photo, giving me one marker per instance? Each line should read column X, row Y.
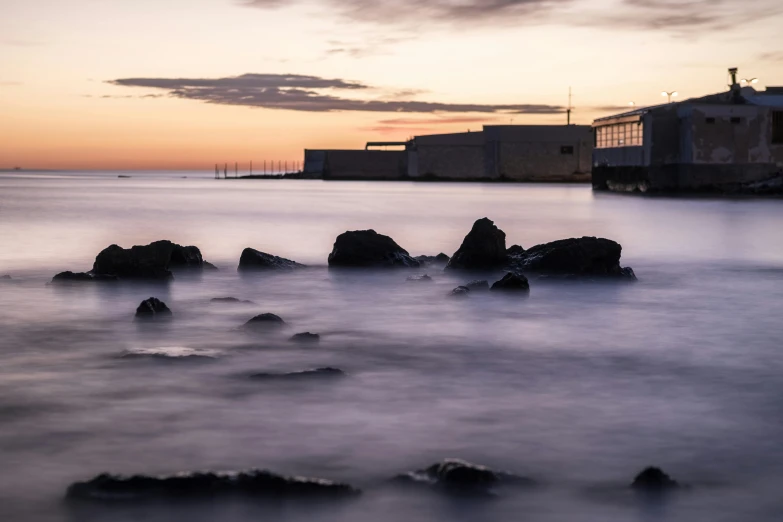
column 81, row 277
column 305, row 337
column 654, row 479
column 254, row 260
column 230, row 300
column 420, row 278
column 460, row 291
column 153, row 261
column 304, row 374
column 440, row 259
column 477, row 286
column 586, row 256
column 512, row 282
column 484, row 248
column 515, row 251
column 265, row 322
column 456, row 475
column 253, row 483
column 152, row 308
column 367, row 248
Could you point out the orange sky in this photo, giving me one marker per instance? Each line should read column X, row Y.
column 58, row 109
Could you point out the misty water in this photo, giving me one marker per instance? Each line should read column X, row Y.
column 578, row 387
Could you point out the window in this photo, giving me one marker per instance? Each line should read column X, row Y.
column 710, row 120
column 736, row 119
column 619, row 135
column 777, row 127
column 567, row 149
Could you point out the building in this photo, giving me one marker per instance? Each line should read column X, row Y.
column 547, row 153
column 726, row 142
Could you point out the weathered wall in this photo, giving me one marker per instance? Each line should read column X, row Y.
column 365, row 164
column 665, row 139
column 449, row 156
column 619, row 156
column 719, row 140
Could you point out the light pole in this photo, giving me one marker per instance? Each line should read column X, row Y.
column 669, row 94
column 749, row 81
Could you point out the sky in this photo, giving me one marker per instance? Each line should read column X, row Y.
column 186, row 84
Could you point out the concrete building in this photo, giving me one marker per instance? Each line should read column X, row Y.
column 725, row 142
column 505, row 152
column 356, row 164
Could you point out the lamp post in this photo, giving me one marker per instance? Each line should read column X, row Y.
column 669, row 94
column 749, row 81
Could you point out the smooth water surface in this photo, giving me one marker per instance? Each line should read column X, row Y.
column 579, row 386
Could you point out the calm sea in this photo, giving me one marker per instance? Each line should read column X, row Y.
column 579, row 387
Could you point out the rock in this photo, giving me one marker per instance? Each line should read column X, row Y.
column 81, row 277
column 484, row 248
column 265, row 322
column 153, row 261
column 512, row 282
column 305, row 374
column 420, row 278
column 586, row 256
column 6, row 277
column 367, row 248
column 229, row 300
column 654, row 479
column 253, row 483
column 515, row 251
column 477, row 286
column 152, row 308
column 456, row 475
column 254, row 260
column 440, row 259
column 305, row 337
column 460, row 291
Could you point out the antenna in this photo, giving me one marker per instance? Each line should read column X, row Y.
column 568, row 111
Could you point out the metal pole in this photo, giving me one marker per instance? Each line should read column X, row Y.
column 251, row 167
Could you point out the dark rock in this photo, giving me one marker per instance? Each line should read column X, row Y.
column 456, row 475
column 483, row 248
column 440, row 259
column 515, row 251
column 304, row 374
column 254, row 260
column 253, row 483
column 512, row 283
column 654, row 479
column 460, row 291
column 230, row 300
column 152, row 308
column 420, row 278
column 81, row 277
column 265, row 322
column 477, row 286
column 367, row 248
column 6, row 277
column 153, row 261
column 209, row 266
column 586, row 256
column 305, row 337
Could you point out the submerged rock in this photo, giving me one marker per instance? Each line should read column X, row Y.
column 512, row 282
column 153, row 308
column 305, row 337
column 5, row 277
column 484, row 248
column 265, row 322
column 586, row 256
column 654, row 479
column 230, row 300
column 460, row 291
column 460, row 476
column 367, row 248
column 304, row 374
column 81, row 277
column 252, row 483
column 254, row 260
column 154, row 261
column 477, row 286
column 420, row 278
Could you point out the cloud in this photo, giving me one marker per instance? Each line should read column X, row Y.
column 311, row 94
column 10, row 84
column 772, row 56
column 436, row 121
column 665, row 15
